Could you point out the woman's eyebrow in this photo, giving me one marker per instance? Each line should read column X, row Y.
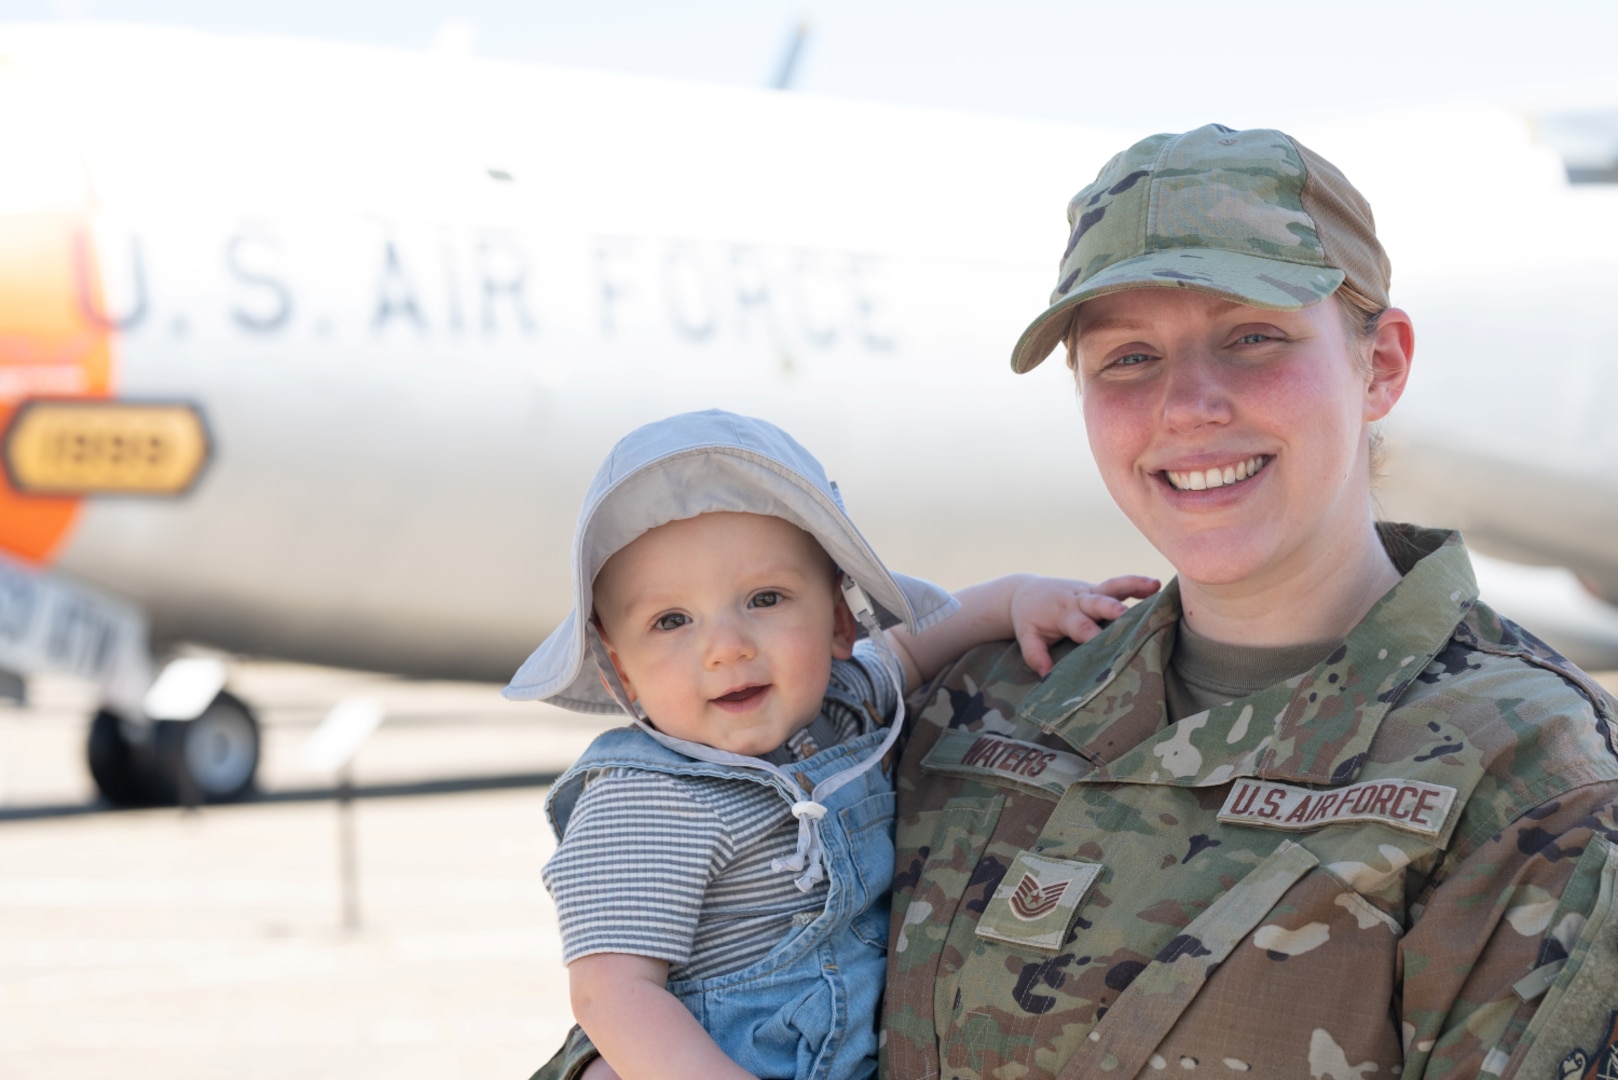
column 1108, row 324
column 1215, row 306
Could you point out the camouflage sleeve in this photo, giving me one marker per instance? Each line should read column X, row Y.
column 571, row 1060
column 1511, row 963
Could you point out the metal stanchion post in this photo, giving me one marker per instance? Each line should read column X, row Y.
column 331, row 749
column 348, row 854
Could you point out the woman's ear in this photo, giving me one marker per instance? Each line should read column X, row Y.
column 1392, row 349
column 844, row 628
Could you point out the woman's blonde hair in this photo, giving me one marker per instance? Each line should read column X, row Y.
column 1363, row 315
column 1361, row 312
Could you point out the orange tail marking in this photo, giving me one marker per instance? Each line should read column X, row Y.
column 49, row 347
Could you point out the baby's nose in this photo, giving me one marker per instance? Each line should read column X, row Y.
column 729, row 642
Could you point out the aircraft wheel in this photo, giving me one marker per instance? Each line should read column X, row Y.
column 211, row 759
column 114, row 765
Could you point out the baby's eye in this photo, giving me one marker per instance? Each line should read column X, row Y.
column 672, row 621
column 767, row 598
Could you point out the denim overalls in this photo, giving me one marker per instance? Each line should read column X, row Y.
column 809, row 1008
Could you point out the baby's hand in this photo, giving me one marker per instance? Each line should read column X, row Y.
column 1046, row 610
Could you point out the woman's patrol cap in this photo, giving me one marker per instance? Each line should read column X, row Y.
column 1251, row 216
column 700, row 463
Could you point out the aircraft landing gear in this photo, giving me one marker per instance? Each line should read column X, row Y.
column 211, row 759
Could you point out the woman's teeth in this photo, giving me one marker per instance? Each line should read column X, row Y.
column 1212, row 478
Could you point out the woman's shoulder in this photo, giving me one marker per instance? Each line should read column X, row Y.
column 991, row 678
column 1490, row 661
column 1532, row 723
column 1490, row 633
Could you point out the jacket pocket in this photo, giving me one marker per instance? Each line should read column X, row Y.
column 1124, row 1039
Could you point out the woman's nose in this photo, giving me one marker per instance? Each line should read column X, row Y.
column 1194, row 392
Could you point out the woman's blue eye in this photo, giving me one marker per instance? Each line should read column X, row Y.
column 1255, row 338
column 1131, row 360
column 671, row 621
column 767, row 598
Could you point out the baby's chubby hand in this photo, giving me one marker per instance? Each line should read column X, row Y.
column 1045, row 610
column 1034, row 610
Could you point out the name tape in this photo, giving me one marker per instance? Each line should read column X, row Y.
column 1412, row 805
column 1003, row 758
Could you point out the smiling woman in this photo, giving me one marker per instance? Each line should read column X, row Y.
column 1315, row 761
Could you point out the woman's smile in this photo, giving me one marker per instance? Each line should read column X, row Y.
column 1215, row 477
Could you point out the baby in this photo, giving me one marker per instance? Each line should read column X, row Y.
column 723, row 868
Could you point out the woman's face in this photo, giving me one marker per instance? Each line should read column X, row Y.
column 1235, row 438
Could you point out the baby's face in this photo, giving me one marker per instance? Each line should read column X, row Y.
column 723, row 627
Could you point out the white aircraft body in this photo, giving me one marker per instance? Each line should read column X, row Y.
column 310, row 350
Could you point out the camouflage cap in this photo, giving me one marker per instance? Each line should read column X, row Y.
column 1251, row 216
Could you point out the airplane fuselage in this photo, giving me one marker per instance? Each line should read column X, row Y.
column 412, row 301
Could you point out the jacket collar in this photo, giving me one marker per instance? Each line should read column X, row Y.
column 1314, row 728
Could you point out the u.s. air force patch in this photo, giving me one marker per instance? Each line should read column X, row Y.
column 1036, row 901
column 1412, row 805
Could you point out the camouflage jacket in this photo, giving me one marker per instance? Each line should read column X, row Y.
column 1400, row 863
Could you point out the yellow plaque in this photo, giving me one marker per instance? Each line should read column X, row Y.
column 99, row 447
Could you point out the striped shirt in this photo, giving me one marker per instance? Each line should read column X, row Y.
column 677, row 868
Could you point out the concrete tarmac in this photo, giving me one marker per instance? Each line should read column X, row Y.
column 211, row 943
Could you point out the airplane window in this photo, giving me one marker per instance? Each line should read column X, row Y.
column 1587, row 141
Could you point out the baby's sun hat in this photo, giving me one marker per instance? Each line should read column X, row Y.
column 699, row 463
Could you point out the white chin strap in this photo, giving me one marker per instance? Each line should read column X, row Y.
column 806, row 861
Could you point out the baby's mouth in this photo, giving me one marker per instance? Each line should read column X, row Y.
column 1203, row 479
column 742, row 696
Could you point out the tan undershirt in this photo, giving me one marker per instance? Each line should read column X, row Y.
column 1203, row 673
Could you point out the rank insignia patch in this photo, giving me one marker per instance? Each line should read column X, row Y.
column 1037, row 901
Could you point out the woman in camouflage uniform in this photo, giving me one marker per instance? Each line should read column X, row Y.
column 1311, row 811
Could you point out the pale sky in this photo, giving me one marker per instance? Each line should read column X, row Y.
column 1242, row 62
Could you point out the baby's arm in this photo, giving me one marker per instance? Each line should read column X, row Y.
column 641, row 1029
column 1035, row 610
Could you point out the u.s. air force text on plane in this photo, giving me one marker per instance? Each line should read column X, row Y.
column 398, row 283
